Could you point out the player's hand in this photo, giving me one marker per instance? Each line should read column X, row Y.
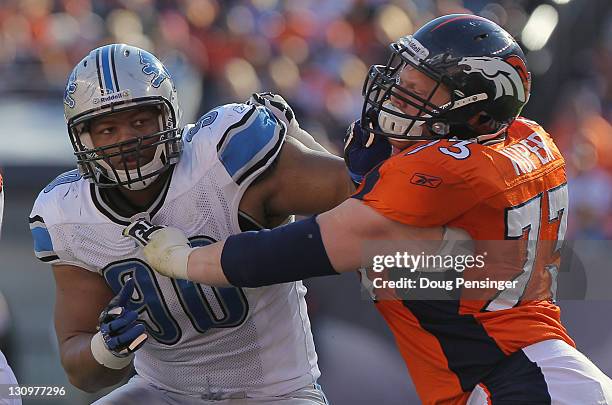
column 279, row 107
column 166, row 249
column 363, row 151
column 120, row 334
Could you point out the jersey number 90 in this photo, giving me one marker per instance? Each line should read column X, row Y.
column 206, row 307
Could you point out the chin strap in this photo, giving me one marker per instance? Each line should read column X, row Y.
column 393, row 124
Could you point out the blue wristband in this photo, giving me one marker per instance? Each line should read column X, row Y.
column 288, row 253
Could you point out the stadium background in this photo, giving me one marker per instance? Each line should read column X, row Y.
column 316, row 54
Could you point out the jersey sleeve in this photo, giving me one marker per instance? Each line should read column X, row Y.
column 416, row 193
column 244, row 139
column 43, row 244
column 46, row 220
column 250, row 145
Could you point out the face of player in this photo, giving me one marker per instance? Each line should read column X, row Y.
column 422, row 85
column 124, row 126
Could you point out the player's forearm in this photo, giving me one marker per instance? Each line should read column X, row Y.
column 250, row 259
column 83, row 371
column 307, row 140
column 204, row 265
column 254, row 259
column 329, row 244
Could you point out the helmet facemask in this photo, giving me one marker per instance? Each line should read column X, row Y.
column 96, row 163
column 116, row 78
column 381, row 117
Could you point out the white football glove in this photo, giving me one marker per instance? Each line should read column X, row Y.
column 166, row 249
column 281, row 110
column 279, row 107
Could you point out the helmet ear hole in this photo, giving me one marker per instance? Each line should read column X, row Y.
column 483, row 118
column 483, row 123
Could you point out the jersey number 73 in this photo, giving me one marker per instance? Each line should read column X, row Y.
column 537, row 221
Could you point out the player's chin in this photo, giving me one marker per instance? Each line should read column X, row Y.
column 132, row 162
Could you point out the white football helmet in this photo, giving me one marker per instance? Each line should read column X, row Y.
column 114, row 78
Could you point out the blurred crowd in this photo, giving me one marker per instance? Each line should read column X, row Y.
column 581, row 125
column 315, row 53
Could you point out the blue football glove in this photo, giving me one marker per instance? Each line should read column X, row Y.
column 120, row 334
column 363, row 151
column 121, row 331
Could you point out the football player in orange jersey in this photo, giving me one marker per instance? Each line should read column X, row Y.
column 448, row 101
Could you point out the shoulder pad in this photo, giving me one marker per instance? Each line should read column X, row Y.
column 244, row 138
column 47, row 211
column 216, row 120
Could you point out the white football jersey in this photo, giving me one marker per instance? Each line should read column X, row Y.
column 214, row 342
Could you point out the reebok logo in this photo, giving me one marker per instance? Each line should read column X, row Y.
column 426, row 180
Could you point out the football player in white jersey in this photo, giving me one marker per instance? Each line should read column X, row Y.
column 238, row 168
column 7, row 377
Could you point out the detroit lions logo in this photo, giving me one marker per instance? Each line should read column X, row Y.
column 70, row 89
column 151, row 66
column 508, row 79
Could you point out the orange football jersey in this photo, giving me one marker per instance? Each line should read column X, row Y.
column 513, row 190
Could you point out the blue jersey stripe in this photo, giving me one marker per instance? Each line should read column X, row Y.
column 42, row 240
column 108, row 82
column 241, row 148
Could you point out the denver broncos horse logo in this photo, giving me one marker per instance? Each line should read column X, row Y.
column 509, row 80
column 153, row 67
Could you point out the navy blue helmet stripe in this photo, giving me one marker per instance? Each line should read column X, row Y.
column 108, row 81
column 99, row 70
